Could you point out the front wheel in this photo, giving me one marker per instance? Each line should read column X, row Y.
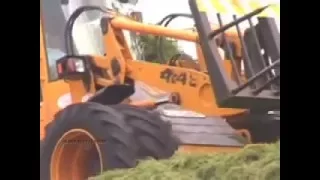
column 84, row 140
column 153, row 135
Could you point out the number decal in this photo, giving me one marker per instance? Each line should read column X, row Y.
column 169, row 76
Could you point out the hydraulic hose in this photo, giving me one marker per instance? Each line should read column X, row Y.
column 69, row 42
column 165, row 22
column 70, row 24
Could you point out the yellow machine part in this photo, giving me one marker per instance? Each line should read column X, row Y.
column 240, row 7
column 227, row 8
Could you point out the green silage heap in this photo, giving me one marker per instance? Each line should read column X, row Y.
column 255, row 162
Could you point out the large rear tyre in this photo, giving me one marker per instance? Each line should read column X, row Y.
column 153, row 135
column 84, row 135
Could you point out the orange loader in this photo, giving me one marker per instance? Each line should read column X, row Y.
column 107, row 111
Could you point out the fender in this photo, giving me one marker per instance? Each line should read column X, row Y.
column 114, row 94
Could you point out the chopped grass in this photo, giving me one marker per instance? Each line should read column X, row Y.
column 254, row 162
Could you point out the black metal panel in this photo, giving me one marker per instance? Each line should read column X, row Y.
column 270, row 37
column 217, row 73
column 255, row 61
column 209, row 131
column 270, row 41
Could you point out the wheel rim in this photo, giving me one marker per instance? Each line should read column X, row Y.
column 74, row 152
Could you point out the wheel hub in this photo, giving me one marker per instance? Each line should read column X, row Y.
column 76, row 156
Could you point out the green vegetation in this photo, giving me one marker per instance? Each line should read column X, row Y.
column 255, row 162
column 150, row 48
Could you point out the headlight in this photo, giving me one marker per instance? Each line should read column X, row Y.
column 72, row 67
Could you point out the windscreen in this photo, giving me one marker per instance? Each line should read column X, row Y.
column 54, row 21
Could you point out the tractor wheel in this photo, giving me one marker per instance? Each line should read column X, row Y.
column 153, row 135
column 83, row 137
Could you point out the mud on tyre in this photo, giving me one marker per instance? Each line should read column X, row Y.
column 118, row 149
column 153, row 135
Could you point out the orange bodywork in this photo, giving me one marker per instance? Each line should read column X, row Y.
column 199, row 98
column 202, row 100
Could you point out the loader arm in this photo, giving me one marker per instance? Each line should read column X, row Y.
column 172, row 79
column 210, row 91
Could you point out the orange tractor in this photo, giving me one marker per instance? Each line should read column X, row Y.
column 107, row 111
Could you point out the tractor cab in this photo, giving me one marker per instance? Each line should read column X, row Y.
column 54, row 92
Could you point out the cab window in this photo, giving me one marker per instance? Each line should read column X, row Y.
column 85, row 32
column 53, row 23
